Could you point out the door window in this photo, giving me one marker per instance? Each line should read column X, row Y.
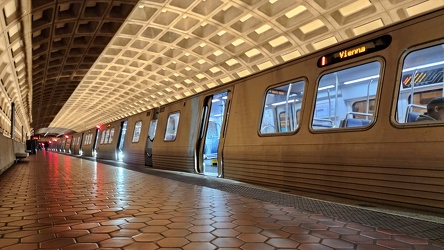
column 137, row 129
column 172, row 125
column 111, row 135
column 152, row 129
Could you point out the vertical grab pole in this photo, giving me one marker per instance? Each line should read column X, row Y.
column 329, row 104
column 368, row 98
column 286, row 107
column 412, row 89
column 336, row 96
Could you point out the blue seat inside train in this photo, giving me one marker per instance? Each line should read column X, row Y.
column 412, row 116
column 353, row 122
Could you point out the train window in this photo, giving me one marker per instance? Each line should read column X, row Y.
column 103, row 137
column 111, row 135
column 281, row 108
column 137, row 129
column 152, row 129
column 346, row 98
column 172, row 125
column 420, row 82
column 106, row 136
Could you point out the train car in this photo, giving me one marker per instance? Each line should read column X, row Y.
column 67, row 145
column 53, row 145
column 190, row 133
column 134, row 144
column 76, row 145
column 173, row 145
column 61, row 145
column 89, row 142
column 110, row 142
column 152, row 128
column 340, row 121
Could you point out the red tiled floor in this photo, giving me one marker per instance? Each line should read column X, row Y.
column 60, row 202
column 228, row 242
column 93, row 238
column 22, row 246
column 200, row 237
column 173, row 242
column 38, row 238
column 81, row 246
column 252, row 237
column 116, row 242
column 8, row 242
column 57, row 243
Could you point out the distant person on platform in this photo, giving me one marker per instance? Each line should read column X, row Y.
column 435, row 111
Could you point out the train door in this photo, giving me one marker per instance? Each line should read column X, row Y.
column 67, row 148
column 212, row 134
column 121, row 140
column 96, row 139
column 81, row 141
column 150, row 139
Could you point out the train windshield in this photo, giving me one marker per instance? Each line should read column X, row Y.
column 346, row 98
column 421, row 81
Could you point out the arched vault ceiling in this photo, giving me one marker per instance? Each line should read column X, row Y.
column 167, row 50
column 67, row 38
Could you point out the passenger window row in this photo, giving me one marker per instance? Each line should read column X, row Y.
column 348, row 97
column 107, row 136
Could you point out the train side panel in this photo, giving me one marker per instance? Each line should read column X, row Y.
column 76, row 143
column 177, row 154
column 106, row 147
column 384, row 163
column 134, row 145
column 88, row 142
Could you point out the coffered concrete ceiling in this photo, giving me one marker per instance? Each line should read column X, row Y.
column 95, row 61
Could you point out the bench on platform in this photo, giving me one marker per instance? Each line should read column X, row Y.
column 21, row 155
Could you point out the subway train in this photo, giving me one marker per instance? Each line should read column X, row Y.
column 340, row 121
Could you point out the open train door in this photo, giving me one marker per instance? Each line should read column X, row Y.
column 121, row 140
column 96, row 140
column 209, row 145
column 150, row 138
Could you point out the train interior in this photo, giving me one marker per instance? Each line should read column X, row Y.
column 215, row 108
column 345, row 98
column 426, row 65
column 282, row 108
column 149, row 141
column 122, row 134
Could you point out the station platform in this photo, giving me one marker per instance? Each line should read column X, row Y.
column 56, row 201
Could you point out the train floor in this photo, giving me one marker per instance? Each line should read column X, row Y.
column 56, row 201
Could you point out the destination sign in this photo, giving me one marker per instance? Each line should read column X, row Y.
column 355, row 51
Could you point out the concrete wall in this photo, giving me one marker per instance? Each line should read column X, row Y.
column 8, row 148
